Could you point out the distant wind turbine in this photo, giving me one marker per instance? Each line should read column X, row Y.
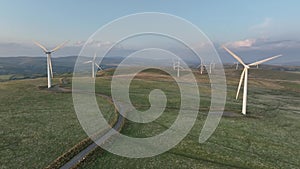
column 49, row 62
column 236, row 65
column 176, row 66
column 201, row 66
column 245, row 75
column 93, row 63
column 211, row 66
column 214, row 65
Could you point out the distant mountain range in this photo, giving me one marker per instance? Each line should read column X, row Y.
column 35, row 65
column 29, row 66
column 296, row 63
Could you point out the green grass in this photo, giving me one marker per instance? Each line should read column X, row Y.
column 37, row 126
column 5, row 77
column 267, row 138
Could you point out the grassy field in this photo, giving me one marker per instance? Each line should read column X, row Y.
column 267, row 138
column 37, row 125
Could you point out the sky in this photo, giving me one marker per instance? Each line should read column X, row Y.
column 247, row 27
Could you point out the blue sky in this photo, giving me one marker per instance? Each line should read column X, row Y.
column 239, row 24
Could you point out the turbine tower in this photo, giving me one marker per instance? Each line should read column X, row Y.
column 236, row 65
column 213, row 65
column 49, row 62
column 93, row 63
column 244, row 76
column 210, row 66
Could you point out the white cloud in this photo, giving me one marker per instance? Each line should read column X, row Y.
column 263, row 29
column 242, row 43
column 79, row 43
column 263, row 44
column 95, row 43
column 262, row 26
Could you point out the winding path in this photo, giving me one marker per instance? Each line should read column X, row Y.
column 81, row 155
column 104, row 137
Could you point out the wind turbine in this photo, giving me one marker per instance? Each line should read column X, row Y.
column 245, row 75
column 211, row 66
column 177, row 66
column 236, row 65
column 93, row 63
column 49, row 62
column 201, row 66
column 214, row 65
column 174, row 65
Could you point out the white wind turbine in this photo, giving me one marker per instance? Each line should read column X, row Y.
column 176, row 66
column 245, row 76
column 49, row 62
column 212, row 65
column 201, row 66
column 236, row 65
column 93, row 63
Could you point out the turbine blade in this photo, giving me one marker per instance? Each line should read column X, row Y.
column 41, row 46
column 88, row 61
column 182, row 68
column 234, row 55
column 265, row 60
column 59, row 46
column 98, row 66
column 240, row 83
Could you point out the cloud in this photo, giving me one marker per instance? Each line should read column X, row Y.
column 262, row 26
column 79, row 43
column 264, row 44
column 95, row 43
column 260, row 48
column 242, row 43
column 263, row 29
